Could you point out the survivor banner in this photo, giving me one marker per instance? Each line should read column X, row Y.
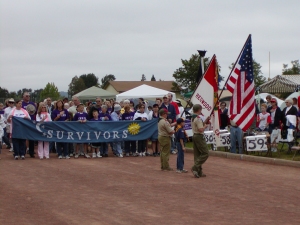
column 88, row 132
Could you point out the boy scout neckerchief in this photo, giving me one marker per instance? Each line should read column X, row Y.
column 178, row 127
column 194, row 116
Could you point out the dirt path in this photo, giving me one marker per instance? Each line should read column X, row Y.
column 134, row 191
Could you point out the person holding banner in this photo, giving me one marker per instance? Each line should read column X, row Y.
column 199, row 144
column 19, row 144
column 43, row 115
column 116, row 115
column 165, row 132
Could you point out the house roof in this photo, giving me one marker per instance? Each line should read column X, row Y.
column 122, row 86
column 281, row 83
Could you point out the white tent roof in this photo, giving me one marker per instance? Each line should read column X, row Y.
column 94, row 92
column 143, row 91
column 293, row 95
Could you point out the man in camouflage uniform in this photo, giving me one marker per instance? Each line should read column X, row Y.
column 199, row 144
column 165, row 132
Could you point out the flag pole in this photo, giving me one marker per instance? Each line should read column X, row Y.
column 234, row 66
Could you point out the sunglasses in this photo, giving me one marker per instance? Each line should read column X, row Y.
column 11, row 102
column 27, row 95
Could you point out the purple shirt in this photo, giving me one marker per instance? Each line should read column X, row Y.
column 80, row 116
column 102, row 115
column 109, row 110
column 96, row 120
column 56, row 112
column 1, row 112
column 128, row 116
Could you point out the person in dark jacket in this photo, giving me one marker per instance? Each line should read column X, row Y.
column 275, row 113
column 288, row 110
column 171, row 110
column 224, row 120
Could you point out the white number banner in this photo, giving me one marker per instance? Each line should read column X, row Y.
column 209, row 137
column 256, row 143
column 225, row 139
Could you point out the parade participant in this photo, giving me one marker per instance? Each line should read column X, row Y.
column 131, row 104
column 26, row 101
column 264, row 118
column 288, row 110
column 65, row 100
column 275, row 113
column 236, row 135
column 5, row 139
column 223, row 115
column 61, row 114
column 180, row 108
column 49, row 105
column 155, row 145
column 165, row 132
column 268, row 99
column 98, row 104
column 43, row 116
column 81, row 117
column 180, row 138
column 130, row 146
column 158, row 101
column 96, row 145
column 115, row 115
column 7, row 111
column 104, row 116
column 19, row 144
column 109, row 106
column 141, row 115
column 171, row 117
column 73, row 108
column 170, row 96
column 199, row 144
column 125, row 103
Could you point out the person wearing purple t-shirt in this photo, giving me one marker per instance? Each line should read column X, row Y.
column 104, row 116
column 96, row 145
column 130, row 146
column 81, row 117
column 61, row 114
column 25, row 102
column 109, row 108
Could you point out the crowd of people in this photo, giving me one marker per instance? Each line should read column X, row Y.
column 98, row 110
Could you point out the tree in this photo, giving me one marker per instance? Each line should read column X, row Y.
column 294, row 70
column 89, row 80
column 143, row 77
column 186, row 75
column 106, row 79
column 36, row 95
column 259, row 78
column 50, row 91
column 77, row 85
column 4, row 93
column 153, row 78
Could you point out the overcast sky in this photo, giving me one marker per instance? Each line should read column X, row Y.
column 52, row 41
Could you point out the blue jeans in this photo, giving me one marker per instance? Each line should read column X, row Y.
column 117, row 147
column 5, row 138
column 236, row 135
column 103, row 148
column 64, row 146
column 19, row 146
column 180, row 157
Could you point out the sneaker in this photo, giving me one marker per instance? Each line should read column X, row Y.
column 178, row 171
column 184, row 171
column 94, row 155
column 99, row 155
column 195, row 173
column 63, row 157
column 11, row 150
column 154, row 154
column 67, row 157
column 22, row 157
column 16, row 157
column 87, row 156
column 140, row 154
column 143, row 154
column 82, row 154
column 71, row 155
column 173, row 152
column 127, row 155
column 47, row 157
column 60, row 157
column 76, row 156
column 120, row 155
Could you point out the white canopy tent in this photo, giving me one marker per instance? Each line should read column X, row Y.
column 143, row 91
column 94, row 92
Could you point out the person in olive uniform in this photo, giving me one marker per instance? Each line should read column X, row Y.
column 165, row 132
column 199, row 144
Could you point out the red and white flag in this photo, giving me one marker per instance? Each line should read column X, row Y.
column 204, row 93
column 241, row 85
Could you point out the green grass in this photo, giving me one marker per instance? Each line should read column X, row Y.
column 283, row 153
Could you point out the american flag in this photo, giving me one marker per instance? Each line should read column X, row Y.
column 241, row 85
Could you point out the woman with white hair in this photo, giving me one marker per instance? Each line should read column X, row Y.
column 288, row 110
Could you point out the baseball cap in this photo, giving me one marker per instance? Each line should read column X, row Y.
column 163, row 111
column 179, row 120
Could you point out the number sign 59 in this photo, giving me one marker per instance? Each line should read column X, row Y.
column 256, row 143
